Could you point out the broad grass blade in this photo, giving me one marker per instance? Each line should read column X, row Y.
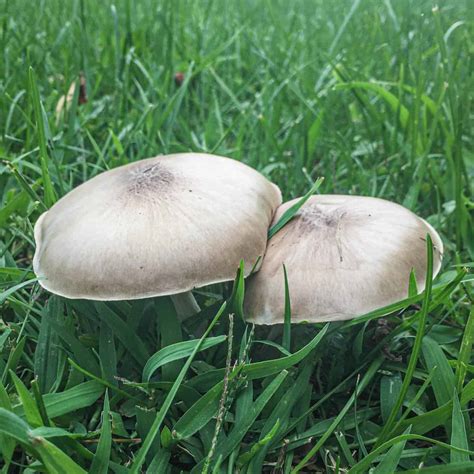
column 177, row 351
column 100, row 464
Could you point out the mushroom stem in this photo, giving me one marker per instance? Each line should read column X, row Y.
column 185, row 305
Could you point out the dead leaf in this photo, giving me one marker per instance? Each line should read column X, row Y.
column 65, row 101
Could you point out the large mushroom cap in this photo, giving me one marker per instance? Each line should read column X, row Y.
column 344, row 255
column 159, row 226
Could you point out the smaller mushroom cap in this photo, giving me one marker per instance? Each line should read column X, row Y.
column 155, row 227
column 345, row 256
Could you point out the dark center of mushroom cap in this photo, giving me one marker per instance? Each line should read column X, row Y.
column 146, row 180
column 315, row 217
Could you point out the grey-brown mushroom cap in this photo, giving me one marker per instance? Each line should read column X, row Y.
column 159, row 226
column 345, row 256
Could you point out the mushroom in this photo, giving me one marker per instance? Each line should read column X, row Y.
column 344, row 255
column 159, row 226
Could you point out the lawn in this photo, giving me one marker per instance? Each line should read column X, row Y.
column 375, row 97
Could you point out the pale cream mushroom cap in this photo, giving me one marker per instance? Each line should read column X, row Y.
column 159, row 226
column 345, row 256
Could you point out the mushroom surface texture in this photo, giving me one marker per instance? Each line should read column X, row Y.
column 344, row 255
column 159, row 226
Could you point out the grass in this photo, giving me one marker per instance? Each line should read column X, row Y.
column 376, row 97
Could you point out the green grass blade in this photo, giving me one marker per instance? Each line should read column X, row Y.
column 4, row 338
column 48, row 357
column 363, row 383
column 28, row 190
column 277, row 346
column 443, row 379
column 80, row 396
column 10, row 291
column 265, row 368
column 120, row 328
column 392, row 458
column 458, row 468
column 282, row 414
column 7, row 444
column 107, row 353
column 82, row 354
column 412, row 286
column 236, row 300
column 31, row 411
column 53, row 432
column 391, row 99
column 14, row 427
column 100, row 464
column 270, row 367
column 258, row 446
column 15, row 354
column 145, row 419
column 441, row 294
column 140, row 457
column 465, row 351
column 40, row 403
column 459, row 437
column 201, row 412
column 177, row 351
column 346, row 423
column 16, row 204
column 55, row 460
column 363, row 465
column 49, row 194
column 105, row 383
column 290, row 213
column 160, row 463
column 286, row 341
column 416, row 347
column 170, row 332
column 239, row 430
column 389, row 391
column 439, row 416
column 98, row 151
column 414, row 401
